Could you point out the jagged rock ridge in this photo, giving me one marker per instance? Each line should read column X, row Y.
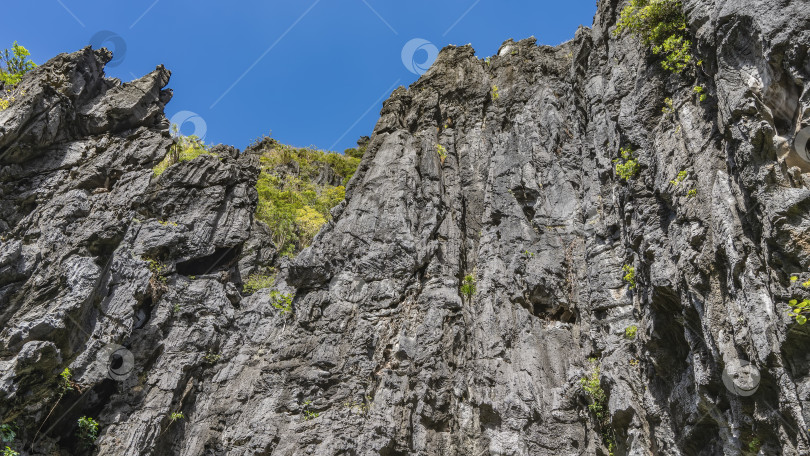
column 380, row 344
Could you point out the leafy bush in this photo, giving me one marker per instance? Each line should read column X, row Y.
column 495, row 94
column 256, row 282
column 281, row 301
column 175, row 416
column 185, row 148
column 701, row 92
column 7, row 433
column 799, row 309
column 291, row 203
column 592, row 387
column 678, row 179
column 17, row 64
column 468, row 286
column 661, row 25
column 441, row 151
column 629, row 275
column 626, row 166
column 309, row 414
column 9, row 452
column 88, row 430
column 630, row 332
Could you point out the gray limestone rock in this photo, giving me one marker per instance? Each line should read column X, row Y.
column 135, row 282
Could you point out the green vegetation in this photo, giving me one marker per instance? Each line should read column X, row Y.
column 362, row 407
column 157, row 269
column 309, row 414
column 701, row 93
column 691, row 193
column 629, row 275
column 495, row 94
column 281, row 301
column 630, row 332
column 681, row 176
column 7, row 433
column 88, row 430
column 185, row 148
column 256, row 282
column 291, row 203
column 754, row 445
column 626, row 166
column 668, row 107
column 468, row 286
column 211, row 357
column 17, row 64
column 441, row 151
column 175, row 416
column 598, row 402
column 661, row 26
column 66, row 382
column 9, row 452
column 799, row 309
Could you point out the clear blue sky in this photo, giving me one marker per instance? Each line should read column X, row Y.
column 315, row 72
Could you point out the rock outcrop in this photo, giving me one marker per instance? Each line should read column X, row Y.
column 134, row 282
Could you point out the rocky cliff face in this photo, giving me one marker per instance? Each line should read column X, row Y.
column 134, row 282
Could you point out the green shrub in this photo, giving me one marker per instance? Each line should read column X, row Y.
column 495, row 94
column 668, row 107
column 281, row 301
column 592, row 387
column 211, row 358
column 701, row 93
column 660, row 25
column 468, row 286
column 292, row 205
column 630, row 332
column 691, row 193
column 88, row 430
column 309, row 414
column 17, row 64
column 256, row 282
column 626, row 166
column 441, row 151
column 9, row 452
column 629, row 275
column 754, row 445
column 185, row 148
column 681, row 176
column 7, row 433
column 176, row 416
column 799, row 309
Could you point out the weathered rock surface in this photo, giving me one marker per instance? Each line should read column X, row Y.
column 134, row 281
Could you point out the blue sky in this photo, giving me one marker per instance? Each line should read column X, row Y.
column 315, row 72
